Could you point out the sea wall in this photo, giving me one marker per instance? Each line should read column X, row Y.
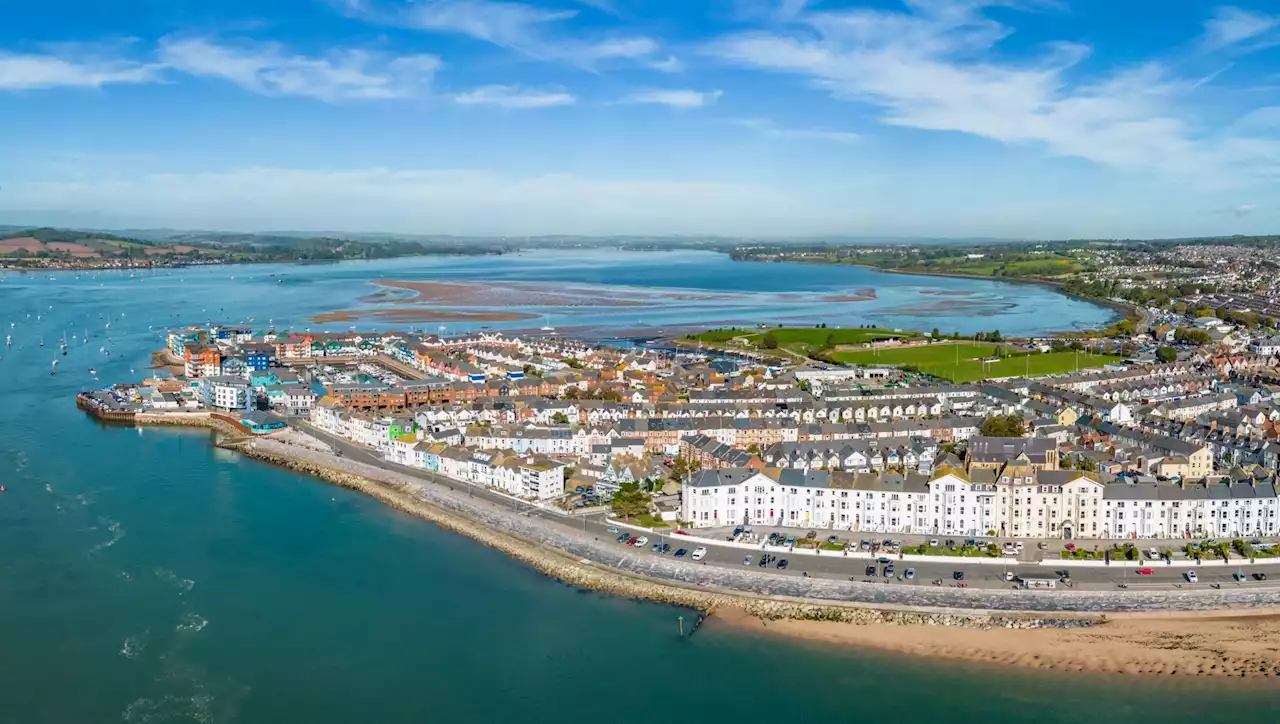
column 584, row 573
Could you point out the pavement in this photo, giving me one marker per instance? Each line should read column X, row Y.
column 833, row 574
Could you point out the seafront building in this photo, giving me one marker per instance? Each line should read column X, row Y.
column 1182, row 449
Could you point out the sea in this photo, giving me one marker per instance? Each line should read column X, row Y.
column 146, row 576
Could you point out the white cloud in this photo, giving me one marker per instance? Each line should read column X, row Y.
column 934, row 69
column 769, row 128
column 525, row 28
column 415, row 200
column 513, row 97
column 270, row 69
column 675, row 98
column 30, row 72
column 1231, row 25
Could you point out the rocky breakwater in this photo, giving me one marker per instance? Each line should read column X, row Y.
column 579, row 560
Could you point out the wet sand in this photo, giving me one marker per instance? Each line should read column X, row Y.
column 418, row 315
column 1233, row 645
column 502, row 294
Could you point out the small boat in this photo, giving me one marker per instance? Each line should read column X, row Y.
column 2, row 490
column 92, row 371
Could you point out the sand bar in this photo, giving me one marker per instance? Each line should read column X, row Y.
column 418, row 315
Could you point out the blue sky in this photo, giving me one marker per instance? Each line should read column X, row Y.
column 1021, row 118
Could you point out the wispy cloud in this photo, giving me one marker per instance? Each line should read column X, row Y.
column 770, row 128
column 513, row 97
column 1231, row 26
column 675, row 98
column 525, row 28
column 270, row 69
column 30, row 72
column 933, row 68
column 1239, row 211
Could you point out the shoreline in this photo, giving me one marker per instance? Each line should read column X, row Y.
column 1235, row 646
column 1209, row 642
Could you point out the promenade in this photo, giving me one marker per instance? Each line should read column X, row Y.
column 587, row 540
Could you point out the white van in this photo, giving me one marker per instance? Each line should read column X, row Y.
column 699, row 553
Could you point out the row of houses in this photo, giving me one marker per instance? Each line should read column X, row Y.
column 1015, row 501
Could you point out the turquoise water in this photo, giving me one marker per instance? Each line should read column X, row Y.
column 146, row 577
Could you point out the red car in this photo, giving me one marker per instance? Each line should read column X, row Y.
column 632, row 541
column 1146, row 571
column 1071, row 547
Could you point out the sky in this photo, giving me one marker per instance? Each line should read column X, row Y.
column 1044, row 119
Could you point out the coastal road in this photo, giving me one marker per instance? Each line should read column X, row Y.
column 834, row 564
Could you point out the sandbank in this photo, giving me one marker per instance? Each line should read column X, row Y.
column 418, row 315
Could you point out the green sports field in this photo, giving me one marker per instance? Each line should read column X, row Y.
column 803, row 339
column 940, row 360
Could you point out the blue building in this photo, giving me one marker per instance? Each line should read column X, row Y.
column 259, row 423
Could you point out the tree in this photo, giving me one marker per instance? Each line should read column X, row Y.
column 1190, row 335
column 993, row 336
column 1167, row 354
column 630, row 501
column 936, row 334
column 574, row 363
column 831, row 340
column 1002, row 426
column 560, row 418
column 769, row 341
column 531, row 371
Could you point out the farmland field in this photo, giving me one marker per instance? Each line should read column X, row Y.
column 940, row 360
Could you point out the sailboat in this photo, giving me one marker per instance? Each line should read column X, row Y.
column 41, row 340
column 54, row 368
column 108, row 322
column 546, row 327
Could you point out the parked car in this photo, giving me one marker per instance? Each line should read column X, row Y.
column 632, row 540
column 1239, row 577
column 791, row 541
column 1192, row 577
column 641, row 542
column 1146, row 571
column 699, row 553
column 1008, row 575
column 623, row 538
column 958, row 575
column 666, row 548
column 613, row 529
column 910, row 574
column 681, row 553
column 764, row 561
column 656, row 547
column 746, row 560
column 933, row 542
column 1153, row 554
column 1071, row 547
column 888, row 571
column 871, row 570
column 782, row 564
column 1017, row 546
column 1259, row 576
column 811, row 534
column 832, row 539
column 865, row 545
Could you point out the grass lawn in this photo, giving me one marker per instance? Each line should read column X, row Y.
column 939, row 360
column 802, row 339
column 720, row 335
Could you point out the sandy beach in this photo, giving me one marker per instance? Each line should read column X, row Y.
column 1147, row 644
